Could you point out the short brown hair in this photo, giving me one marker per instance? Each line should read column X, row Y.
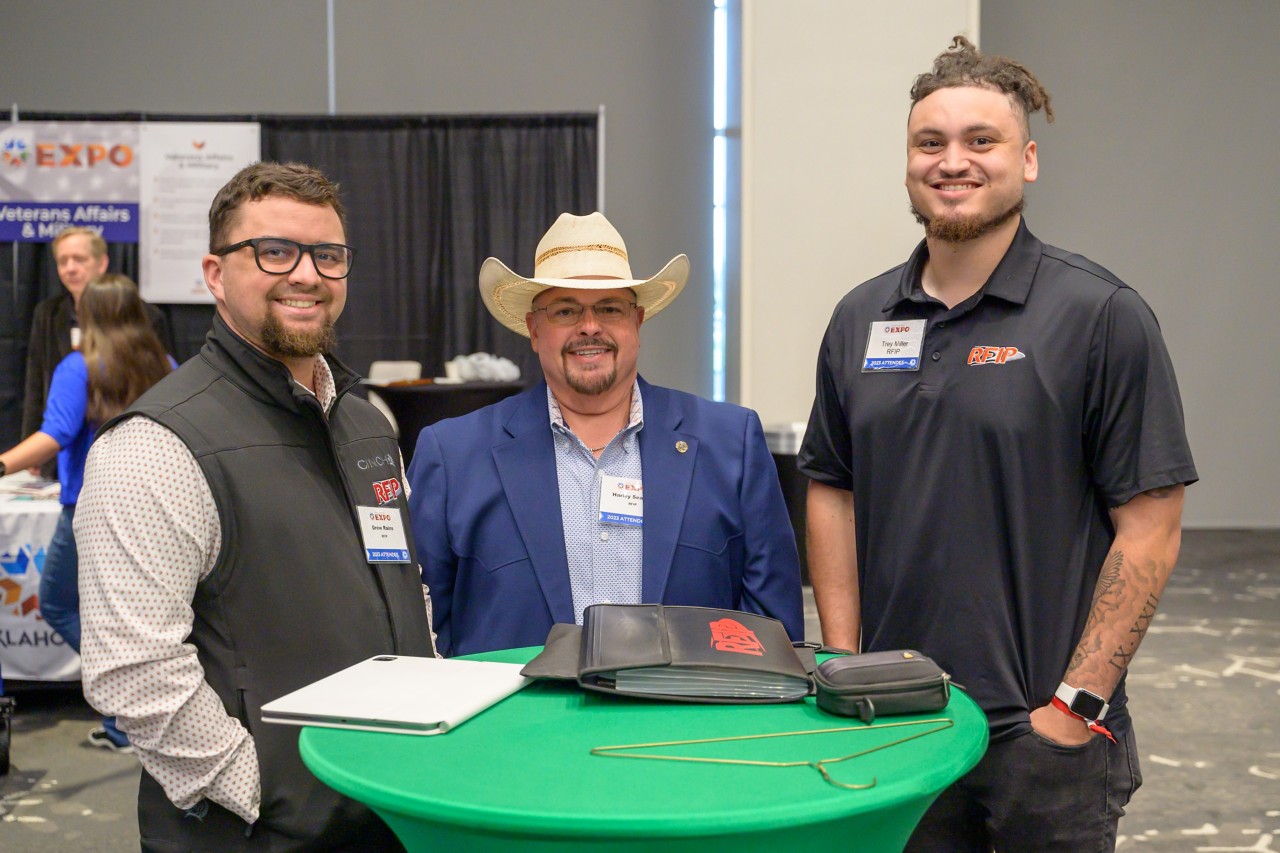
column 97, row 245
column 297, row 181
column 962, row 64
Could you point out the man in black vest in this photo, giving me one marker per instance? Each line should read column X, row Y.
column 226, row 557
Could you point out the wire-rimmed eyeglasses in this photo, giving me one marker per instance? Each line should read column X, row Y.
column 279, row 256
column 569, row 313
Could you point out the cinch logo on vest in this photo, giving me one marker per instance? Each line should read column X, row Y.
column 994, row 355
column 386, row 491
column 728, row 635
column 375, row 462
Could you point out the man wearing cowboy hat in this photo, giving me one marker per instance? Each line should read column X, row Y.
column 531, row 509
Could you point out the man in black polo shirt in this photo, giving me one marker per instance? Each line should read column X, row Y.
column 997, row 461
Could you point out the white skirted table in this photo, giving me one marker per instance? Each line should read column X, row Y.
column 29, row 648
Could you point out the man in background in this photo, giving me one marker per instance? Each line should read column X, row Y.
column 80, row 255
column 997, row 460
column 532, row 509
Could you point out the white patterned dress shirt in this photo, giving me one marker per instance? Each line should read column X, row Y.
column 148, row 532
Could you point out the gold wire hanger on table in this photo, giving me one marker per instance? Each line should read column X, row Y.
column 819, row 765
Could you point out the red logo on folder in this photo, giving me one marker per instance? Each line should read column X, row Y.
column 730, row 636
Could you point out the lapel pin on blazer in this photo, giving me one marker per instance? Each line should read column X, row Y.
column 681, row 447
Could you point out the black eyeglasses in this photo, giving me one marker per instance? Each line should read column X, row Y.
column 278, row 256
column 570, row 313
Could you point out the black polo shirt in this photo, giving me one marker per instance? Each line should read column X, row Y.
column 982, row 480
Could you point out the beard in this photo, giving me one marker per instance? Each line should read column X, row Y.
column 297, row 343
column 961, row 229
column 591, row 382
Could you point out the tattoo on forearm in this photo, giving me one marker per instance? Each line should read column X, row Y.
column 1120, row 584
column 1109, row 576
column 1124, row 654
column 1081, row 654
column 1109, row 581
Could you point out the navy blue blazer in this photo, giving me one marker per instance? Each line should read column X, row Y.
column 485, row 507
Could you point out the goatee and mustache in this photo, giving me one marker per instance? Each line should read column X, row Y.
column 297, row 343
column 590, row 382
column 961, row 229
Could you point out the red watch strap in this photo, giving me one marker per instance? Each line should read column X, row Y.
column 1093, row 725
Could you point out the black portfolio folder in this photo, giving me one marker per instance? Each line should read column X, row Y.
column 690, row 654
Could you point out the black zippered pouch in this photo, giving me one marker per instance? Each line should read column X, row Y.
column 896, row 682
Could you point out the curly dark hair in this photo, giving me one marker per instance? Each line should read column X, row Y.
column 962, row 64
column 257, row 181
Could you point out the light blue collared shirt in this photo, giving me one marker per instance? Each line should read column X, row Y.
column 605, row 560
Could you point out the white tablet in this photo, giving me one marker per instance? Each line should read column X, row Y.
column 393, row 693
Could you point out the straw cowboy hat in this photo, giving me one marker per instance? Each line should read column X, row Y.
column 576, row 246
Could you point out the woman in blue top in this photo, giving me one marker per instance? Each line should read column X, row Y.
column 119, row 358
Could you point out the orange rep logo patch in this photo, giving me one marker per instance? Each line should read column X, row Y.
column 994, row 355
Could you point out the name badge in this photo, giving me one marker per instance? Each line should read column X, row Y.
column 383, row 533
column 621, row 500
column 894, row 345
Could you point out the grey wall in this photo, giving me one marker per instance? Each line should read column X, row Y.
column 1160, row 167
column 647, row 61
column 823, row 209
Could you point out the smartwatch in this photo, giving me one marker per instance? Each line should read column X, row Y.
column 1086, row 705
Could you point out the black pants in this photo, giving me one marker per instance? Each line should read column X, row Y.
column 165, row 828
column 1031, row 794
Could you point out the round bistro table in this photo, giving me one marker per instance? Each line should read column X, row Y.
column 521, row 776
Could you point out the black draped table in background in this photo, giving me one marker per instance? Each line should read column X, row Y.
column 420, row 404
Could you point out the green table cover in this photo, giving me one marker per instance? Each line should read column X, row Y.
column 520, row 775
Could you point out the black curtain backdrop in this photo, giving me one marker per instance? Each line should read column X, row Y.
column 428, row 198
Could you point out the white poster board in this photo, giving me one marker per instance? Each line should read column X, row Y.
column 183, row 167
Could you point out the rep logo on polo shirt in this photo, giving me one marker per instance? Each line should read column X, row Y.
column 994, row 355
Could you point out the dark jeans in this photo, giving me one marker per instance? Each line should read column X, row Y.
column 1030, row 794
column 60, row 593
column 59, row 581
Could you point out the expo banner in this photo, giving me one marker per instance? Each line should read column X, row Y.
column 57, row 174
column 148, row 183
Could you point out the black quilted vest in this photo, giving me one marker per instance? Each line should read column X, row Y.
column 291, row 598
